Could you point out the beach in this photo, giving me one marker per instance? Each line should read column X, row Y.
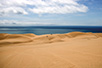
column 69, row 50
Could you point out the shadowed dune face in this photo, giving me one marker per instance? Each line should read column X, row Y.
column 16, row 38
column 20, row 35
column 50, row 38
column 3, row 36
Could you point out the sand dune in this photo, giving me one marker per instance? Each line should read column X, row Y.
column 15, row 38
column 49, row 38
column 70, row 50
column 3, row 36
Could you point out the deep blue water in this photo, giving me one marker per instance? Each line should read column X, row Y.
column 39, row 30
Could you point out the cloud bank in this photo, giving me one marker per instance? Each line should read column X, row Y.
column 41, row 6
column 24, row 23
column 40, row 23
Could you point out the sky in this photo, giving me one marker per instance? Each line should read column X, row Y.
column 50, row 12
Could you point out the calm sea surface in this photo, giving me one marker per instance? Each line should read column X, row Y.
column 39, row 30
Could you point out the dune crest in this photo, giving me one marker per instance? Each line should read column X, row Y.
column 48, row 38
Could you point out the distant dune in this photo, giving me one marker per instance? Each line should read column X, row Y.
column 24, row 38
column 70, row 50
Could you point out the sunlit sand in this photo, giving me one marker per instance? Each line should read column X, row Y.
column 70, row 50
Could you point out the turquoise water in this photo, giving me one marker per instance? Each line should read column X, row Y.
column 39, row 30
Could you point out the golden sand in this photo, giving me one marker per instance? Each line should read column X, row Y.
column 70, row 50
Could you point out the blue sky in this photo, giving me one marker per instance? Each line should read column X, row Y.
column 50, row 12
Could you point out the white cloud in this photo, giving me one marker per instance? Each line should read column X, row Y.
column 12, row 7
column 15, row 10
column 59, row 9
column 41, row 6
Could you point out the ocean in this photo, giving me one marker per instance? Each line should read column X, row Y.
column 39, row 30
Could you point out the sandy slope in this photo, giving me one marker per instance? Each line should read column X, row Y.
column 71, row 50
